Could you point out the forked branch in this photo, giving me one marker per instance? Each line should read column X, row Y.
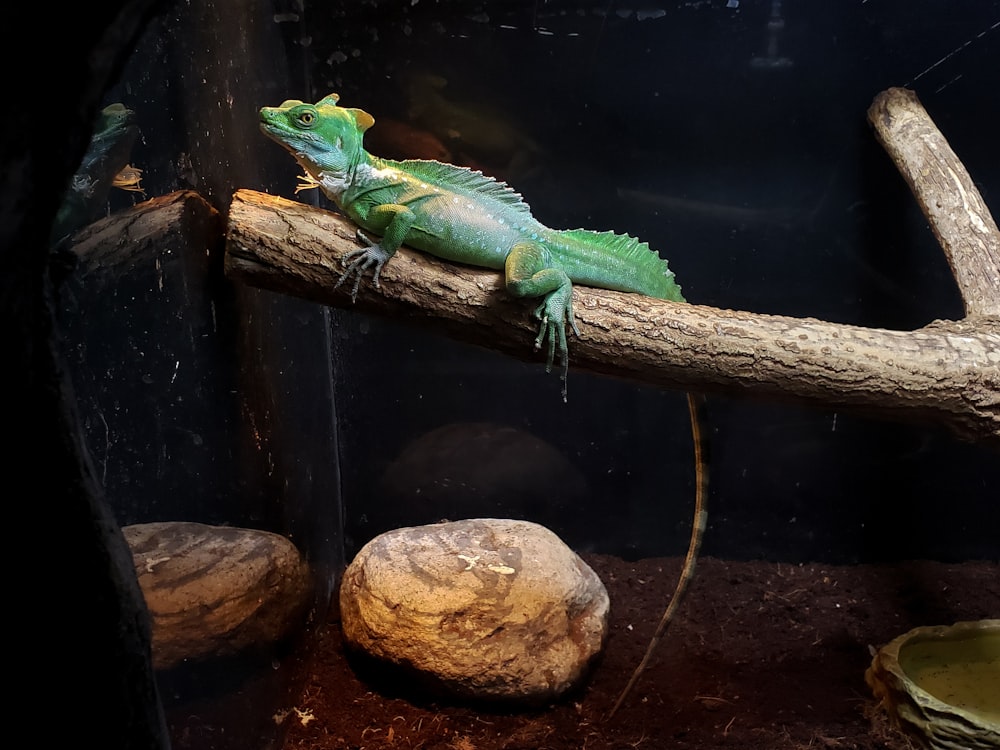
column 947, row 372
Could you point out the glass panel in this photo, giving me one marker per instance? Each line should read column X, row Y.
column 731, row 136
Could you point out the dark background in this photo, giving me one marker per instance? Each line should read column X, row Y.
column 778, row 200
column 731, row 136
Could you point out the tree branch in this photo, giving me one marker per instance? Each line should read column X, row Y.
column 947, row 372
column 946, row 194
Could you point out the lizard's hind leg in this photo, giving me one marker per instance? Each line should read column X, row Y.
column 530, row 273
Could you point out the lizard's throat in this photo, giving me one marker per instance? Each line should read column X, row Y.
column 335, row 184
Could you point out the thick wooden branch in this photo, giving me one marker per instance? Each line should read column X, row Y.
column 948, row 372
column 946, row 194
column 135, row 236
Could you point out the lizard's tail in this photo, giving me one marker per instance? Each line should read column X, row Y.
column 699, row 428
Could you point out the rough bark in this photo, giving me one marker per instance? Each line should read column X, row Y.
column 125, row 238
column 946, row 194
column 947, row 372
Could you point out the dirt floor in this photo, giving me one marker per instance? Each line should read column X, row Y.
column 763, row 655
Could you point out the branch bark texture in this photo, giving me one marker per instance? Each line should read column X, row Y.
column 947, row 372
column 946, row 194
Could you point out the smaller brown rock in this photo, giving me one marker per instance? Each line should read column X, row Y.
column 216, row 590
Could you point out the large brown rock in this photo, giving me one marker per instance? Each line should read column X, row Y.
column 489, row 609
column 216, row 590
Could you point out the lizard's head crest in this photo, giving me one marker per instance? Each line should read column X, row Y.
column 323, row 137
column 362, row 119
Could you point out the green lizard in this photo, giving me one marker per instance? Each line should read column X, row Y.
column 457, row 214
column 461, row 215
column 104, row 165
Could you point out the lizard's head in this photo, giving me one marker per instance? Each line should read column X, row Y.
column 116, row 121
column 322, row 137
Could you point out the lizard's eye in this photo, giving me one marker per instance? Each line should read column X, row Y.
column 307, row 118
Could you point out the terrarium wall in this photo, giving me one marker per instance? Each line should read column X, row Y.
column 203, row 401
column 732, row 137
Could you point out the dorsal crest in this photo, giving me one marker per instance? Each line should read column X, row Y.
column 464, row 181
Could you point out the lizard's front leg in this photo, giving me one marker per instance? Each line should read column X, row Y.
column 530, row 273
column 393, row 221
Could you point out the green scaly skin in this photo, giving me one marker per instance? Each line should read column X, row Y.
column 457, row 214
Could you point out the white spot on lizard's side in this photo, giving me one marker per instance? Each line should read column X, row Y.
column 367, row 171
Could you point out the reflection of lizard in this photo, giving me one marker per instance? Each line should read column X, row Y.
column 398, row 140
column 476, row 135
column 105, row 165
column 460, row 215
